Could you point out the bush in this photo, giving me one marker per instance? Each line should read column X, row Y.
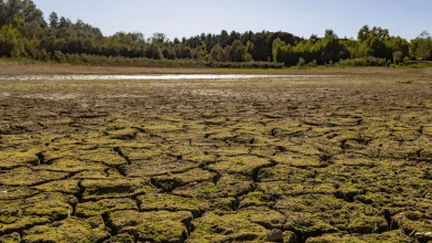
column 254, row 64
column 362, row 62
column 218, row 54
column 421, row 48
column 186, row 53
column 11, row 46
column 388, row 63
column 301, row 62
column 375, row 61
column 154, row 52
column 397, row 57
column 43, row 55
column 58, row 56
column 312, row 64
column 169, row 53
column 100, row 60
column 405, row 60
column 238, row 52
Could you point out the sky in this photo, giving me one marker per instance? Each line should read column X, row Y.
column 178, row 18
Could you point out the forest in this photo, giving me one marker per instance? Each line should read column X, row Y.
column 24, row 33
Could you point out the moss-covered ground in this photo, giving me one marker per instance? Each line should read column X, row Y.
column 302, row 159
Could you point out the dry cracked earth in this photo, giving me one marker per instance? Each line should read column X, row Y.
column 338, row 159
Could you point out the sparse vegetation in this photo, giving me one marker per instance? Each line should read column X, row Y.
column 209, row 169
column 300, row 159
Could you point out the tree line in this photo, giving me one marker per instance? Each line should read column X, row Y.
column 25, row 33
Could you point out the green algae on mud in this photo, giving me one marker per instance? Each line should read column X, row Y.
column 341, row 160
column 160, row 226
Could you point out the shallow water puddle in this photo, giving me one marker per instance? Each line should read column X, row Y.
column 156, row 77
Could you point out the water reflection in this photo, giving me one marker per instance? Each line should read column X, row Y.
column 156, row 77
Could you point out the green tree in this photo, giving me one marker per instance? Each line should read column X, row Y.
column 2, row 13
column 64, row 24
column 363, row 33
column 210, row 42
column 233, row 37
column 11, row 43
column 224, row 38
column 32, row 14
column 330, row 32
column 218, row 54
column 277, row 42
column 321, row 51
column 372, row 43
column 154, row 52
column 24, row 9
column 421, row 47
column 262, row 48
column 238, row 52
column 83, row 29
column 53, row 20
column 279, row 51
column 10, row 9
column 186, row 53
column 203, row 49
column 249, row 47
column 397, row 44
column 380, row 33
column 424, row 35
column 158, row 38
column 378, row 47
column 313, row 38
column 182, row 51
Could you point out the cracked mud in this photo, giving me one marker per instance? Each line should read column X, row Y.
column 345, row 159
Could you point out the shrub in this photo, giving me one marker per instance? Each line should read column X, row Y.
column 218, row 54
column 313, row 63
column 186, row 53
column 169, row 53
column 361, row 62
column 301, row 62
column 154, row 52
column 405, row 60
column 397, row 57
column 388, row 63
column 43, row 55
column 375, row 61
column 58, row 56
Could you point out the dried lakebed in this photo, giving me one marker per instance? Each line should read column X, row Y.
column 159, row 77
column 337, row 160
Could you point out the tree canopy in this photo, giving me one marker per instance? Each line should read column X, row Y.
column 25, row 33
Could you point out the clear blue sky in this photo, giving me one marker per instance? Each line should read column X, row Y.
column 178, row 18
